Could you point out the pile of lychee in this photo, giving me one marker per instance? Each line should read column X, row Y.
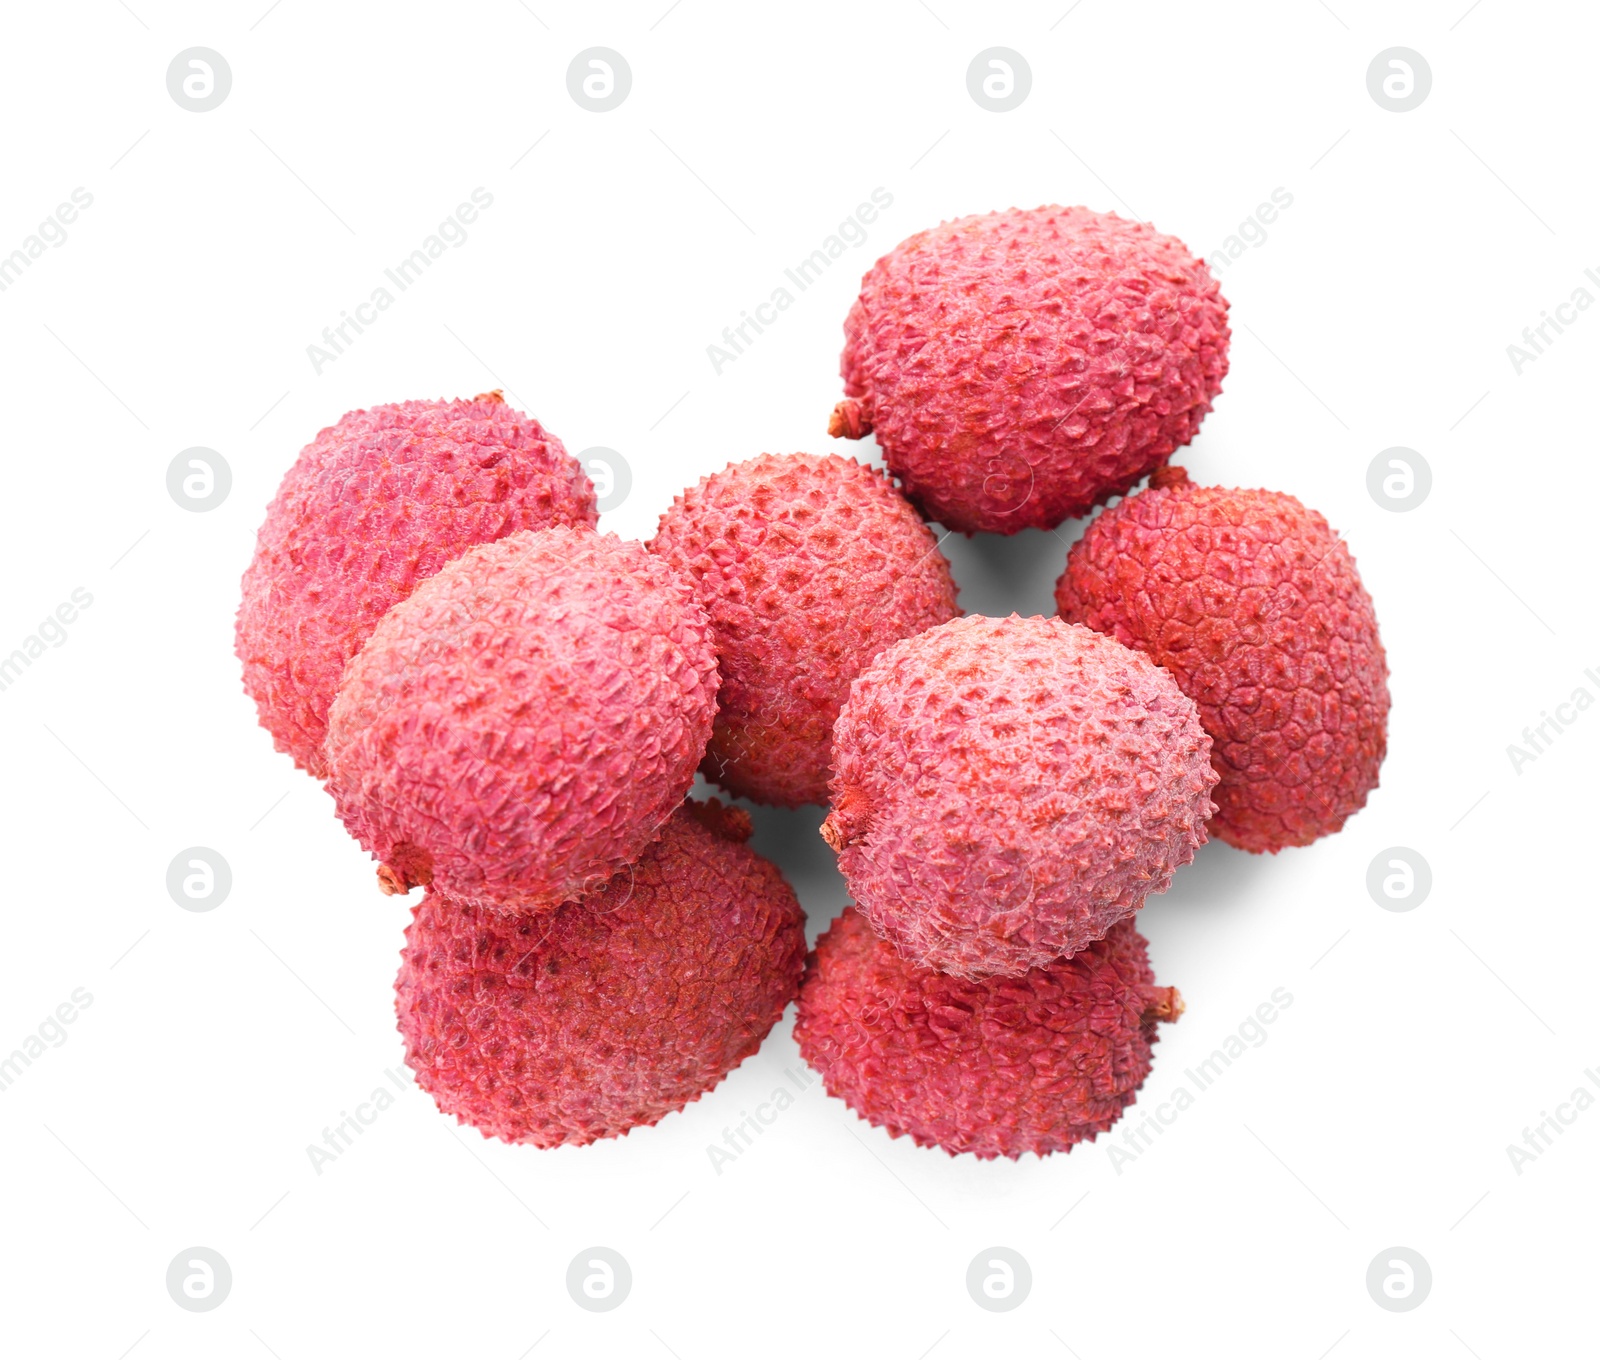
column 509, row 708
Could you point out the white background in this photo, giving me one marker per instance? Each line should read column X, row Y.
column 219, row 1045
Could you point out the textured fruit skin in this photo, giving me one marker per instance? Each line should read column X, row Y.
column 519, row 728
column 1020, row 367
column 1005, row 790
column 809, row 567
column 1255, row 607
column 994, row 1066
column 373, row 505
column 607, row 1013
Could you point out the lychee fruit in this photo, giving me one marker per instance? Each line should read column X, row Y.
column 1020, row 367
column 1006, row 790
column 809, row 567
column 1255, row 607
column 517, row 729
column 373, row 505
column 993, row 1066
column 609, row 1012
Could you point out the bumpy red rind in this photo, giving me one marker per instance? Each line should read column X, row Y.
column 609, row 1012
column 809, row 567
column 996, row 1067
column 373, row 505
column 1255, row 607
column 1018, row 368
column 518, row 729
column 1005, row 790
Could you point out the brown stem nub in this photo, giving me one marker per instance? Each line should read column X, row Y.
column 849, row 420
column 1162, row 1003
column 496, row 396
column 1168, row 474
column 848, row 821
column 407, row 867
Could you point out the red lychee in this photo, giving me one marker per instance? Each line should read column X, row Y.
column 1256, row 609
column 1005, row 790
column 809, row 567
column 995, row 1067
column 609, row 1012
column 1020, row 367
column 372, row 506
column 517, row 730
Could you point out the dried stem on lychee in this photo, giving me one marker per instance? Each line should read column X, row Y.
column 1162, row 1003
column 849, row 820
column 849, row 420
